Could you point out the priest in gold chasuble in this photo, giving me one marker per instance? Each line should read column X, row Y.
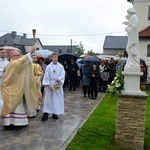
column 19, row 91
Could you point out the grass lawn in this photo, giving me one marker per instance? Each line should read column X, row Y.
column 98, row 133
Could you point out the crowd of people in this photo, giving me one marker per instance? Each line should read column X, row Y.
column 92, row 76
column 29, row 81
column 95, row 77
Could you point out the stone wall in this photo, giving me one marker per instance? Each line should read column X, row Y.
column 145, row 86
column 130, row 122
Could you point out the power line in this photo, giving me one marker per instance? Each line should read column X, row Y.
column 68, row 34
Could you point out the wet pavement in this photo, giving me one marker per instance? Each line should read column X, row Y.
column 51, row 134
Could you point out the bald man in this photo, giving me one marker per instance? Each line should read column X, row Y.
column 19, row 90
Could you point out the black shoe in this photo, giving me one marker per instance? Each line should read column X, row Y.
column 45, row 117
column 54, row 116
column 84, row 95
column 70, row 90
column 91, row 97
column 31, row 116
column 37, row 110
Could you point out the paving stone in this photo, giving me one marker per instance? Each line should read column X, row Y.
column 51, row 134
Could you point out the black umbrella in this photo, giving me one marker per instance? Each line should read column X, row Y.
column 91, row 59
column 66, row 57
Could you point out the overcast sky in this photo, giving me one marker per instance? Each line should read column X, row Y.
column 59, row 21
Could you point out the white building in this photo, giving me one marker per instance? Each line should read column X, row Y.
column 142, row 8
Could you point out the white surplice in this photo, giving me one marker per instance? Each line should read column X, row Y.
column 3, row 64
column 54, row 99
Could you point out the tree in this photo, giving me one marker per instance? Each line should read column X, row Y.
column 80, row 49
column 91, row 53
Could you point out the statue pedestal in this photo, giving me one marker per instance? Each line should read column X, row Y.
column 131, row 109
column 132, row 81
column 130, row 122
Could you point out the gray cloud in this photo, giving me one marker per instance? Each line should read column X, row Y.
column 65, row 17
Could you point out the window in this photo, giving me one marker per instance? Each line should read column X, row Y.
column 148, row 50
column 37, row 48
column 60, row 51
column 68, row 50
column 149, row 13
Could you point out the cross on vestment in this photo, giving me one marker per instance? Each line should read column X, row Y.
column 54, row 71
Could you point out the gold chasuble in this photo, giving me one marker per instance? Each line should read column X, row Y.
column 19, row 85
column 38, row 73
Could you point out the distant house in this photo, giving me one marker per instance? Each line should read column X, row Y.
column 115, row 45
column 25, row 44
column 21, row 42
column 62, row 49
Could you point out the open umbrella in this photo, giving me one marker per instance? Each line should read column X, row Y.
column 66, row 57
column 91, row 59
column 107, row 57
column 84, row 55
column 43, row 52
column 11, row 48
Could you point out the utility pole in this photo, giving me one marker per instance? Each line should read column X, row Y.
column 71, row 46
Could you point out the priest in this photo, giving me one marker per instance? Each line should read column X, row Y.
column 3, row 63
column 38, row 74
column 19, row 91
column 54, row 97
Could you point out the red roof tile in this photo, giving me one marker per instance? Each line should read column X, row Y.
column 145, row 32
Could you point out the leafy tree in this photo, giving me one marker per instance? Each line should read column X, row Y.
column 80, row 49
column 91, row 53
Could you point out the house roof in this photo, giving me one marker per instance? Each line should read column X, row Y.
column 12, row 39
column 115, row 42
column 9, row 39
column 145, row 33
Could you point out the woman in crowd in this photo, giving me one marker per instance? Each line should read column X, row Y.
column 94, row 75
column 86, row 79
column 105, row 76
column 43, row 67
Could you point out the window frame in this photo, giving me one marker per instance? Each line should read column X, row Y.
column 148, row 50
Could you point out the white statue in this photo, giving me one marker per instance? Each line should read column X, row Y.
column 133, row 38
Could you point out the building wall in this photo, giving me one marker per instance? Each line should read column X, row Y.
column 117, row 52
column 60, row 49
column 38, row 46
column 143, row 50
column 141, row 7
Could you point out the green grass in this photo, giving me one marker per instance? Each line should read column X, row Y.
column 147, row 126
column 98, row 133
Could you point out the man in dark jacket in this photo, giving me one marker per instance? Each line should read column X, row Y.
column 72, row 69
